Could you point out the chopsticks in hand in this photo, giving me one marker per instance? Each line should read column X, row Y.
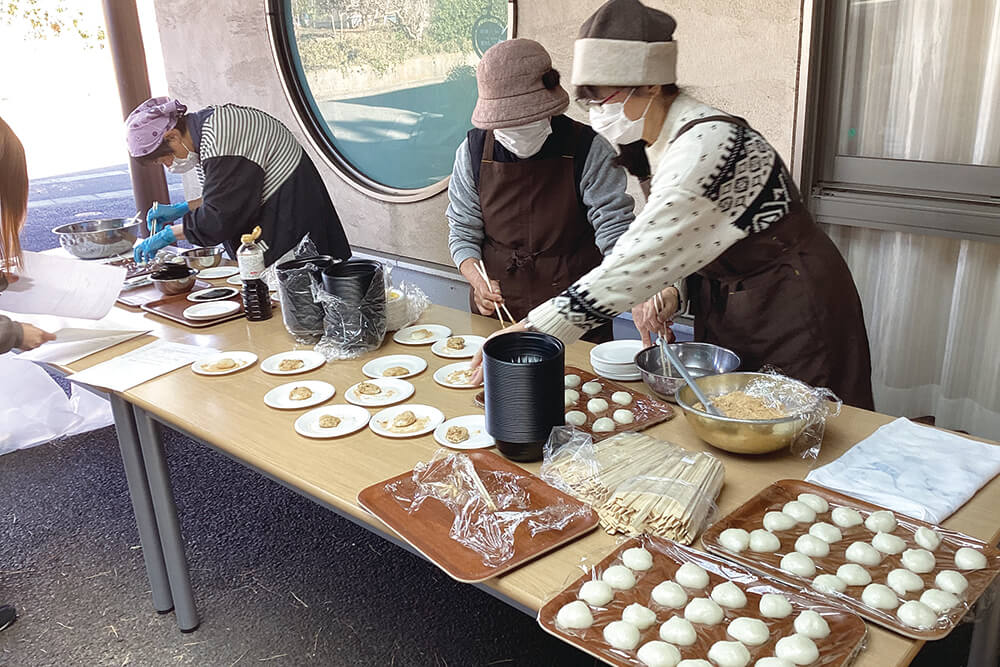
column 481, row 269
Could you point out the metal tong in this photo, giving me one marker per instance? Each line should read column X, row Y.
column 675, row 360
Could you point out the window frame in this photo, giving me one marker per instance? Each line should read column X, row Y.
column 957, row 200
column 294, row 83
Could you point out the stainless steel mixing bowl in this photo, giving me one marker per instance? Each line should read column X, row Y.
column 171, row 286
column 700, row 359
column 97, row 239
column 202, row 258
column 743, row 436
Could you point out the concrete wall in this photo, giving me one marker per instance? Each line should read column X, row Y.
column 740, row 55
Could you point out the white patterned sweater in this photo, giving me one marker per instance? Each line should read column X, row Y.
column 716, row 184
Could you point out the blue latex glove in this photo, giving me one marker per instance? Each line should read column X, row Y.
column 161, row 214
column 147, row 250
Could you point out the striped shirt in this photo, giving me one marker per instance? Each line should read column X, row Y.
column 237, row 131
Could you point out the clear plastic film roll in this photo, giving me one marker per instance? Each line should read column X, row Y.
column 487, row 508
column 404, row 304
column 636, row 484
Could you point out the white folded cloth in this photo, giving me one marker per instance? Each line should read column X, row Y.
column 913, row 469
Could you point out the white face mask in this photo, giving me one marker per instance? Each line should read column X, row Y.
column 181, row 165
column 524, row 140
column 609, row 121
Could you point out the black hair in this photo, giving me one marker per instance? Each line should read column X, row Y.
column 550, row 79
column 164, row 148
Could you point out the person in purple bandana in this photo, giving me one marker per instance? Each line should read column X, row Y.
column 251, row 171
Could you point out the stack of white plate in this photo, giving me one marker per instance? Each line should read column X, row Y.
column 615, row 360
column 395, row 309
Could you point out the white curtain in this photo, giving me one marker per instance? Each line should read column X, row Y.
column 923, row 83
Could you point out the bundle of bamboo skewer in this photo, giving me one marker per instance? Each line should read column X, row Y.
column 638, row 484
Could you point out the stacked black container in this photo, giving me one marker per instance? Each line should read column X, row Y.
column 302, row 315
column 355, row 318
column 523, row 381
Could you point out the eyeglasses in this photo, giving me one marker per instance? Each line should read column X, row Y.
column 587, row 105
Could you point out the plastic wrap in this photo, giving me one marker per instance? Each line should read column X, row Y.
column 404, row 305
column 636, row 483
column 302, row 315
column 750, row 516
column 846, row 640
column 487, row 508
column 350, row 330
column 646, row 410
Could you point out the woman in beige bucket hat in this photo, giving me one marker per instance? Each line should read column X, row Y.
column 723, row 222
column 534, row 195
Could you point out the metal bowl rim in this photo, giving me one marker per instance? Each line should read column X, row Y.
column 60, row 229
column 209, row 252
column 635, row 359
column 733, row 420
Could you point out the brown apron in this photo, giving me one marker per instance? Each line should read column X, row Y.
column 785, row 297
column 538, row 240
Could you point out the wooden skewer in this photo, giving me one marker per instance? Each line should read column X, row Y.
column 482, row 271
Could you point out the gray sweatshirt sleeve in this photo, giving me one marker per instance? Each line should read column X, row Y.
column 10, row 334
column 465, row 218
column 602, row 186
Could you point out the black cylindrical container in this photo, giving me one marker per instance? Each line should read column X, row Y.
column 357, row 319
column 523, row 381
column 302, row 315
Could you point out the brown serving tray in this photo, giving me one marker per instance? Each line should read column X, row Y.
column 172, row 308
column 426, row 530
column 132, row 270
column 841, row 647
column 750, row 515
column 648, row 411
column 136, row 298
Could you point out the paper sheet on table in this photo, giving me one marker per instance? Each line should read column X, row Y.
column 917, row 470
column 140, row 365
column 63, row 287
column 73, row 343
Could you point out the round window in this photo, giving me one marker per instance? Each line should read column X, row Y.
column 386, row 87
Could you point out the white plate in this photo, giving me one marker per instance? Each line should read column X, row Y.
column 405, row 336
column 616, row 352
column 244, row 359
column 313, row 360
column 211, row 310
column 196, row 296
column 376, row 367
column 441, row 376
column 393, row 391
column 235, row 281
column 218, row 272
column 278, row 397
column 619, row 377
column 472, row 343
column 352, row 418
column 432, row 415
column 478, row 437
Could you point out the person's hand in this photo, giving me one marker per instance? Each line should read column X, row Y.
column 161, row 214
column 11, row 277
column 147, row 250
column 477, row 359
column 32, row 337
column 486, row 296
column 656, row 316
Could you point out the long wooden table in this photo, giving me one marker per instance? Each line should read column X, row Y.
column 228, row 413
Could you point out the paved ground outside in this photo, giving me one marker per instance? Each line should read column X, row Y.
column 278, row 579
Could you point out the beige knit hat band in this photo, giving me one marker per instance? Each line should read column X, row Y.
column 622, row 62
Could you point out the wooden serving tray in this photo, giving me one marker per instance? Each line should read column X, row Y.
column 749, row 516
column 847, row 631
column 648, row 411
column 136, row 298
column 172, row 308
column 427, row 529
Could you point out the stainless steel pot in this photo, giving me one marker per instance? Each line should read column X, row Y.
column 202, row 258
column 700, row 359
column 97, row 239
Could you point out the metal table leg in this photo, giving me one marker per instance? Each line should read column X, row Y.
column 142, row 504
column 166, row 521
